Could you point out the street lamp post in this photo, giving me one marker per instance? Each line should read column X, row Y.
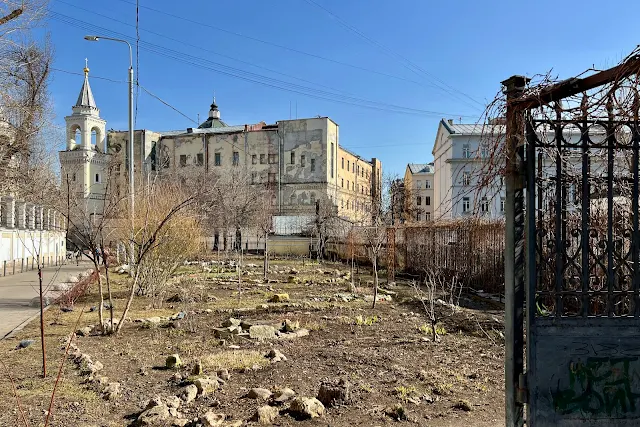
column 131, row 160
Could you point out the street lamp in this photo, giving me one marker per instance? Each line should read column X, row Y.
column 131, row 161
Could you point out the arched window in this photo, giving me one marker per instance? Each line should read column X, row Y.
column 77, row 136
column 94, row 138
column 313, row 198
column 292, row 199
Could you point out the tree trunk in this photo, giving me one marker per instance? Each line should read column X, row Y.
column 266, row 257
column 129, row 301
column 375, row 282
column 106, row 275
column 44, row 353
column 100, row 291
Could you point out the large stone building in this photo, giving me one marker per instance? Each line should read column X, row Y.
column 418, row 187
column 301, row 159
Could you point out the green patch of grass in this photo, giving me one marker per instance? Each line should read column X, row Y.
column 405, row 392
column 427, row 330
column 234, row 360
column 366, row 321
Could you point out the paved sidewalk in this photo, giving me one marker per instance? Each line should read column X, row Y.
column 16, row 292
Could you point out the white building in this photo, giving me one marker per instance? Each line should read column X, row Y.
column 459, row 153
column 418, row 197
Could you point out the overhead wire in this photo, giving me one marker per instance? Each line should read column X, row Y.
column 253, row 77
column 410, row 65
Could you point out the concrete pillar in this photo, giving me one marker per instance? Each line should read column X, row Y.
column 39, row 217
column 8, row 212
column 21, row 214
column 31, row 216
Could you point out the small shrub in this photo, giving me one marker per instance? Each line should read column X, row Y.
column 366, row 321
column 427, row 330
column 405, row 392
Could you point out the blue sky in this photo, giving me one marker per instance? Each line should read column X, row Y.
column 430, row 58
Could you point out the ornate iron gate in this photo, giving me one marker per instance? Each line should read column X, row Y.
column 581, row 241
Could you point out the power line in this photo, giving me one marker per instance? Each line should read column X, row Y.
column 167, row 104
column 290, row 49
column 253, row 77
column 406, row 62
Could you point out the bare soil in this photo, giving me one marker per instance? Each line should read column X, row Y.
column 384, row 353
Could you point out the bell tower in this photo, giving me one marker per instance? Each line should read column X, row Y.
column 85, row 160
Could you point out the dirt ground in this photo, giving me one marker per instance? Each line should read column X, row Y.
column 386, row 354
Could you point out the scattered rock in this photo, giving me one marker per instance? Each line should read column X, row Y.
column 296, row 334
column 61, row 287
column 156, row 415
column 396, row 412
column 197, row 368
column 180, row 422
column 189, row 393
column 283, row 395
column 259, row 393
column 173, row 361
column 334, row 394
column 174, row 402
column 463, row 405
column 206, row 385
column 211, row 419
column 224, row 374
column 231, row 322
column 111, row 391
column 84, row 332
column 153, row 320
column 265, row 415
column 306, row 407
column 46, row 301
column 290, row 326
column 276, row 356
column 262, row 332
column 91, row 368
column 24, row 344
column 277, row 298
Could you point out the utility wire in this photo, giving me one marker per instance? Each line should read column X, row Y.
column 406, row 62
column 290, row 49
column 137, row 58
column 253, row 77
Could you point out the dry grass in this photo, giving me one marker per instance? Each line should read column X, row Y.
column 234, row 360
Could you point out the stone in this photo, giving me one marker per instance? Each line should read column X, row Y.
column 231, row 322
column 180, row 422
column 24, row 344
column 197, row 368
column 276, row 356
column 266, row 415
column 262, row 332
column 72, row 279
column 111, row 391
column 293, row 271
column 153, row 402
column 334, row 394
column 396, row 412
column 91, row 368
column 84, row 332
column 296, row 334
column 463, row 405
column 189, row 393
column 154, row 416
column 279, row 298
column 46, row 301
column 259, row 393
column 225, row 333
column 61, row 287
column 290, row 325
column 283, row 395
column 223, row 374
column 211, row 419
column 153, row 320
column 306, row 407
column 206, row 385
column 173, row 361
column 174, row 402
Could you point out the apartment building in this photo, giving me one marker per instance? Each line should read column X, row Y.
column 418, row 188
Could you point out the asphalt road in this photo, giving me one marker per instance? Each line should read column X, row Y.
column 16, row 292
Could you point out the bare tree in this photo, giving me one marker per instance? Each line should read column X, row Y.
column 440, row 290
column 263, row 221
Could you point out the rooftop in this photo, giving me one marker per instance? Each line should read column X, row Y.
column 420, row 167
column 85, row 98
column 472, row 129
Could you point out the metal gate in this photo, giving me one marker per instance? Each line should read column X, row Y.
column 575, row 258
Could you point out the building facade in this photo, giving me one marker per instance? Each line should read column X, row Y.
column 419, row 183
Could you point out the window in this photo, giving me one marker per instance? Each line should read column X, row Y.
column 313, row 198
column 217, row 160
column 347, row 184
column 418, row 216
column 419, row 200
column 427, row 184
column 465, row 204
column 427, row 216
column 73, row 177
column 313, row 165
column 199, row 159
column 466, row 151
column 418, row 184
column 272, row 177
column 484, row 152
column 254, row 159
column 354, row 167
column 117, row 168
column 484, row 205
column 254, row 177
column 183, row 160
column 353, row 186
column 348, row 164
column 358, row 169
column 273, row 159
column 236, row 158
column 293, row 158
column 501, row 204
column 343, row 167
column 303, row 161
column 97, row 178
column 263, row 159
column 342, row 182
column 292, row 199
column 332, row 157
column 466, row 178
column 342, row 202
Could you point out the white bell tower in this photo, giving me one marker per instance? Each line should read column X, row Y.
column 85, row 161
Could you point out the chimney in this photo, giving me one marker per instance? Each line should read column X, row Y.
column 450, row 121
column 189, row 130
